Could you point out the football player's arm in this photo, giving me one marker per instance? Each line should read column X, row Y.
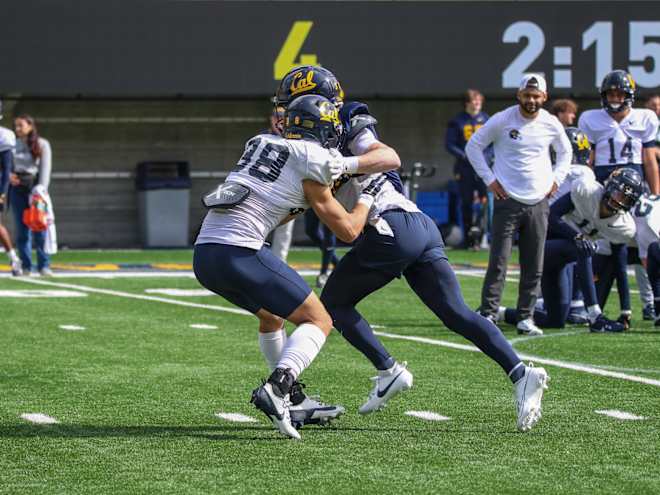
column 558, row 227
column 346, row 226
column 371, row 156
column 650, row 160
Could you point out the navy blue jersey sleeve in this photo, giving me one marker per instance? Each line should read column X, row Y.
column 454, row 140
column 7, row 164
column 556, row 226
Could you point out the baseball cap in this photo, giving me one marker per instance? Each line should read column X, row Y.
column 533, row 81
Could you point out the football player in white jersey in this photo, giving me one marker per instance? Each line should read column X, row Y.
column 7, row 147
column 622, row 136
column 589, row 212
column 647, row 220
column 398, row 240
column 275, row 178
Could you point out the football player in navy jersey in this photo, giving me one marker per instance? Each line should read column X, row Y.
column 399, row 240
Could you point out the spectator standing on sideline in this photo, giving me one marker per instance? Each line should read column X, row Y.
column 459, row 131
column 32, row 167
column 522, row 180
column 282, row 235
column 565, row 110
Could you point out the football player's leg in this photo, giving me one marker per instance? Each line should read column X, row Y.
column 436, row 285
column 14, row 260
column 603, row 266
column 653, row 270
column 349, row 283
column 643, row 284
column 620, row 256
column 328, row 243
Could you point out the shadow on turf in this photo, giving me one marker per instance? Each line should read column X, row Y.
column 211, row 432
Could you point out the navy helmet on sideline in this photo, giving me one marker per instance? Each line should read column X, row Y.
column 623, row 189
column 622, row 81
column 309, row 79
column 580, row 144
column 313, row 117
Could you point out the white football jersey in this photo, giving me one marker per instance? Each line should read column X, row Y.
column 619, row 143
column 586, row 194
column 647, row 220
column 576, row 172
column 273, row 168
column 388, row 198
column 7, row 139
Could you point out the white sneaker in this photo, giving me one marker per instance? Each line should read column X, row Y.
column 16, row 268
column 388, row 384
column 314, row 412
column 276, row 408
column 528, row 327
column 46, row 272
column 528, row 395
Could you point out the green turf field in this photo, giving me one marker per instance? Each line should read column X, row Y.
column 135, row 395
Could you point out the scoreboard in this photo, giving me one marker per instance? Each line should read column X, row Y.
column 180, row 48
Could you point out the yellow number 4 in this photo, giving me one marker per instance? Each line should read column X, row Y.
column 286, row 59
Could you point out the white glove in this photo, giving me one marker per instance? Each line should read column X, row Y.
column 339, row 165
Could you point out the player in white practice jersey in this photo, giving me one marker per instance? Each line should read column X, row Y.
column 275, row 178
column 621, row 136
column 7, row 149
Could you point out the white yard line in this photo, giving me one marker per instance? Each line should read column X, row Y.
column 623, row 415
column 71, row 328
column 584, row 368
column 39, row 418
column 547, row 336
column 203, row 326
column 236, row 417
column 129, row 295
column 427, row 415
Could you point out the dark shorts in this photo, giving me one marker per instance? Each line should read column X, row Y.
column 250, row 279
column 603, row 172
column 416, row 240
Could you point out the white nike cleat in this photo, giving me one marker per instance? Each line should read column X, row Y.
column 314, row 412
column 528, row 395
column 388, row 384
column 276, row 408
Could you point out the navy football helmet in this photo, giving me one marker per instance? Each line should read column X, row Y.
column 313, row 117
column 623, row 189
column 309, row 80
column 580, row 144
column 621, row 80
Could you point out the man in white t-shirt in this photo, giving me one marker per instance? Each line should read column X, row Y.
column 522, row 179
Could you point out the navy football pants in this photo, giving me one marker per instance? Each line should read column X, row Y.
column 416, row 251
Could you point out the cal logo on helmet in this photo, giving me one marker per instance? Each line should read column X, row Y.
column 301, row 83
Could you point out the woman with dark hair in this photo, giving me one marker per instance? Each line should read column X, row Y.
column 32, row 166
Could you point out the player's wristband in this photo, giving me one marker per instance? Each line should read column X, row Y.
column 367, row 200
column 351, row 164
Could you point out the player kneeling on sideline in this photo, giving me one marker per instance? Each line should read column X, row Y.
column 577, row 219
column 276, row 177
